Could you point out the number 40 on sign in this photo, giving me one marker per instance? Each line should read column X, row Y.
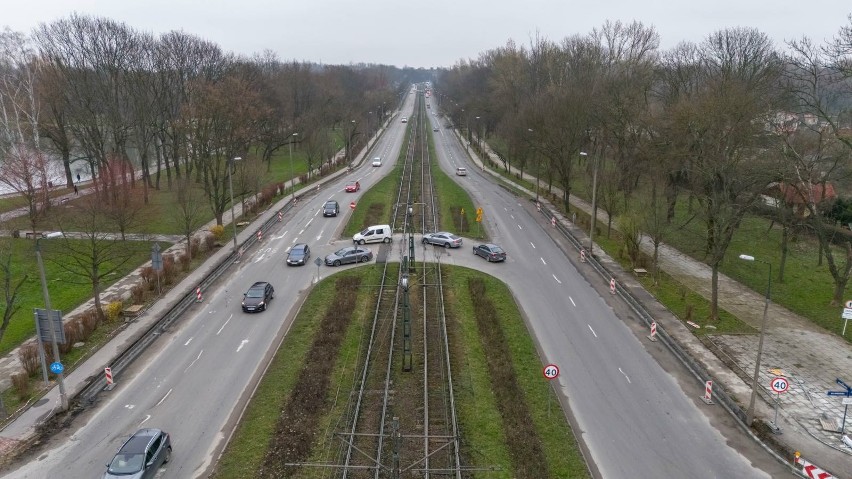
column 551, row 371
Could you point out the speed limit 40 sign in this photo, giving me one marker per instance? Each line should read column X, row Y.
column 551, row 371
column 779, row 384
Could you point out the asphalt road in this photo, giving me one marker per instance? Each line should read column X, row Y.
column 635, row 417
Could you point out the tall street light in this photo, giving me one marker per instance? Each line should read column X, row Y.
column 754, row 382
column 594, row 202
column 349, row 145
column 231, row 167
column 63, row 398
column 478, row 138
column 537, row 166
column 292, row 175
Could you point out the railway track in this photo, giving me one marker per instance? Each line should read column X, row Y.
column 401, row 419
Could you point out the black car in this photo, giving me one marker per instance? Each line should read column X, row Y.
column 350, row 254
column 330, row 208
column 141, row 456
column 490, row 252
column 298, row 255
column 258, row 296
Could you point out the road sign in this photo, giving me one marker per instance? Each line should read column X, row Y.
column 838, row 393
column 841, row 383
column 352, row 205
column 551, row 371
column 57, row 368
column 846, row 401
column 779, row 384
column 45, row 324
column 847, row 313
column 849, row 304
column 479, row 215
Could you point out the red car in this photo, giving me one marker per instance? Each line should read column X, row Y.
column 353, row 186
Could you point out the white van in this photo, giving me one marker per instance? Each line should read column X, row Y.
column 374, row 234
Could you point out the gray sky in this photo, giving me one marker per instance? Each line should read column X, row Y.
column 431, row 32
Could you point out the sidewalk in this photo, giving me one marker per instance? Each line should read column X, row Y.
column 809, row 356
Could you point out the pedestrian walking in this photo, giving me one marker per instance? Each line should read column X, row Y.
column 76, row 191
column 78, row 177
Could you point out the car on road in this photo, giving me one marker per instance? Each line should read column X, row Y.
column 461, row 171
column 434, row 128
column 377, row 161
column 353, row 186
column 349, row 254
column 298, row 255
column 442, row 238
column 140, row 456
column 490, row 252
column 330, row 208
column 404, row 120
column 258, row 297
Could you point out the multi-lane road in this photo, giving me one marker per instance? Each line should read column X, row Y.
column 636, row 418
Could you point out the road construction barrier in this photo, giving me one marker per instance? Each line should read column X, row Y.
column 553, row 221
column 108, row 375
column 198, row 294
column 708, row 392
column 812, row 470
column 612, row 286
column 582, row 256
column 280, row 216
column 653, row 335
column 259, row 235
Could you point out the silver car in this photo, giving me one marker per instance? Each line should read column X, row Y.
column 442, row 238
column 350, row 254
column 141, row 456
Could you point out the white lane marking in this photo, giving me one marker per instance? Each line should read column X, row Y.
column 625, row 375
column 542, row 261
column 223, row 326
column 531, row 244
column 147, row 416
column 309, row 222
column 187, row 342
column 260, row 257
column 319, row 236
column 194, row 360
column 572, row 301
column 164, row 398
column 520, row 227
column 592, row 330
column 300, row 232
column 242, row 343
column 557, row 279
column 130, row 406
column 512, row 216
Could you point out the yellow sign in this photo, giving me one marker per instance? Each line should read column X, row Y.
column 462, row 212
column 479, row 215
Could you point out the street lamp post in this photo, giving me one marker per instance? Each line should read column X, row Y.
column 478, row 138
column 292, row 175
column 349, row 144
column 231, row 189
column 537, row 166
column 63, row 398
column 754, row 382
column 594, row 202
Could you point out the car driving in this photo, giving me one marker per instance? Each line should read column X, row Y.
column 377, row 161
column 298, row 255
column 353, row 186
column 442, row 238
column 350, row 254
column 330, row 208
column 491, row 252
column 141, row 455
column 258, row 297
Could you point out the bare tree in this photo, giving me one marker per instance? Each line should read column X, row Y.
column 190, row 210
column 11, row 282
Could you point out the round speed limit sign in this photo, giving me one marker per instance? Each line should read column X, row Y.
column 779, row 384
column 551, row 371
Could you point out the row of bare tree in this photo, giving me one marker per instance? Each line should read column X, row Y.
column 144, row 112
column 720, row 122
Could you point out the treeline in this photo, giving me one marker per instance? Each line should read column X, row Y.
column 723, row 122
column 96, row 91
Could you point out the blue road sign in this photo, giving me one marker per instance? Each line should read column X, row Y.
column 839, row 393
column 840, row 382
column 57, row 368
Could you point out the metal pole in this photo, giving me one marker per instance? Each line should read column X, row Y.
column 594, row 205
column 754, row 382
column 63, row 398
column 292, row 175
column 843, row 426
column 231, row 189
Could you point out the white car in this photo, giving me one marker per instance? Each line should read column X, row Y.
column 377, row 161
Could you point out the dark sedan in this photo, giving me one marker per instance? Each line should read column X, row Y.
column 258, row 297
column 490, row 252
column 350, row 254
column 298, row 255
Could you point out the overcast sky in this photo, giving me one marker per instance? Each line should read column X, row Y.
column 432, row 32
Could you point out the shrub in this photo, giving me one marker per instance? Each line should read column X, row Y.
column 21, row 383
column 169, row 271
column 149, row 276
column 137, row 293
column 89, row 320
column 184, row 261
column 209, row 242
column 113, row 310
column 28, row 355
column 218, row 232
column 72, row 335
